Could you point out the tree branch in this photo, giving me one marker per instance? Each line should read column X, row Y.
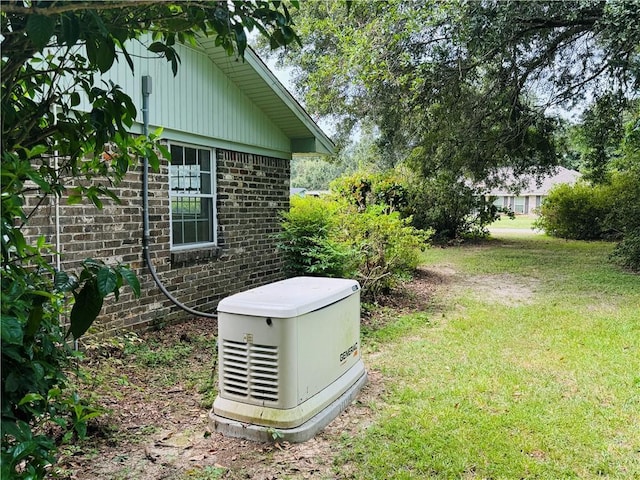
column 589, row 19
column 571, row 34
column 78, row 6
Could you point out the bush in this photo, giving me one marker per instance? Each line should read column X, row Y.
column 627, row 252
column 363, row 189
column 609, row 211
column 37, row 395
column 623, row 199
column 451, row 208
column 387, row 247
column 332, row 237
column 623, row 218
column 308, row 240
column 575, row 212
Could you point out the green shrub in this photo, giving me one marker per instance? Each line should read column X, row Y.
column 575, row 212
column 37, row 394
column 627, row 252
column 363, row 189
column 308, row 239
column 387, row 247
column 623, row 199
column 451, row 208
column 623, row 218
column 336, row 238
column 609, row 211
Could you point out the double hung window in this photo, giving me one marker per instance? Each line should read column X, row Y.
column 192, row 194
column 519, row 205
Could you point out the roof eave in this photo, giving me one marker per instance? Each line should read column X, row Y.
column 297, row 124
column 267, row 75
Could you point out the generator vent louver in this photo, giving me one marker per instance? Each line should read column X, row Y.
column 250, row 370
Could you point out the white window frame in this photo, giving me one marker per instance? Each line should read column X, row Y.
column 212, row 196
column 519, row 203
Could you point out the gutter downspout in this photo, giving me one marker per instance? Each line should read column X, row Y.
column 146, row 235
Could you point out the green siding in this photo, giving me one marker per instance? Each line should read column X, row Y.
column 200, row 101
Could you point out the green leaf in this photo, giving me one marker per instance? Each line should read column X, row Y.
column 81, row 430
column 11, row 330
column 91, row 415
column 54, row 393
column 127, row 57
column 175, row 60
column 75, row 99
column 14, row 352
column 31, row 397
column 131, row 279
column 24, row 449
column 157, row 47
column 92, row 264
column 164, row 151
column 36, row 178
column 106, row 280
column 70, row 29
column 35, row 317
column 13, row 382
column 241, row 40
column 63, row 282
column 111, row 194
column 95, row 200
column 92, row 50
column 106, row 53
column 17, row 429
column 37, row 151
column 277, row 40
column 288, row 34
column 86, row 309
column 40, row 29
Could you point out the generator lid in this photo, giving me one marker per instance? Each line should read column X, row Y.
column 289, row 298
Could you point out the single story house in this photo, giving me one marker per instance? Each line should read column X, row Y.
column 525, row 196
column 232, row 129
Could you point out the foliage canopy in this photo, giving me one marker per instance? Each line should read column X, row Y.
column 466, row 86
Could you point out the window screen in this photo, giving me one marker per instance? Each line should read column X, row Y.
column 192, row 193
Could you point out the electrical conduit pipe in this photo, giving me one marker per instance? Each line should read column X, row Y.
column 146, row 236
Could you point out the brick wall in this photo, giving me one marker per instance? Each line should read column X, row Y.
column 251, row 190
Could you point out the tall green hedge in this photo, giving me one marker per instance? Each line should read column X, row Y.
column 608, row 211
column 574, row 212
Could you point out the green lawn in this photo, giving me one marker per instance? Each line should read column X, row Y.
column 528, row 366
column 523, row 222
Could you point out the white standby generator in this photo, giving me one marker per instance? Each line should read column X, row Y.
column 289, row 358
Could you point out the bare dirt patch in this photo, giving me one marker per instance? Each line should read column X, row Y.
column 505, row 289
column 157, row 389
column 509, row 290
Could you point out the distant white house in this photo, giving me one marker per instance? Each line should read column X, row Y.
column 528, row 195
